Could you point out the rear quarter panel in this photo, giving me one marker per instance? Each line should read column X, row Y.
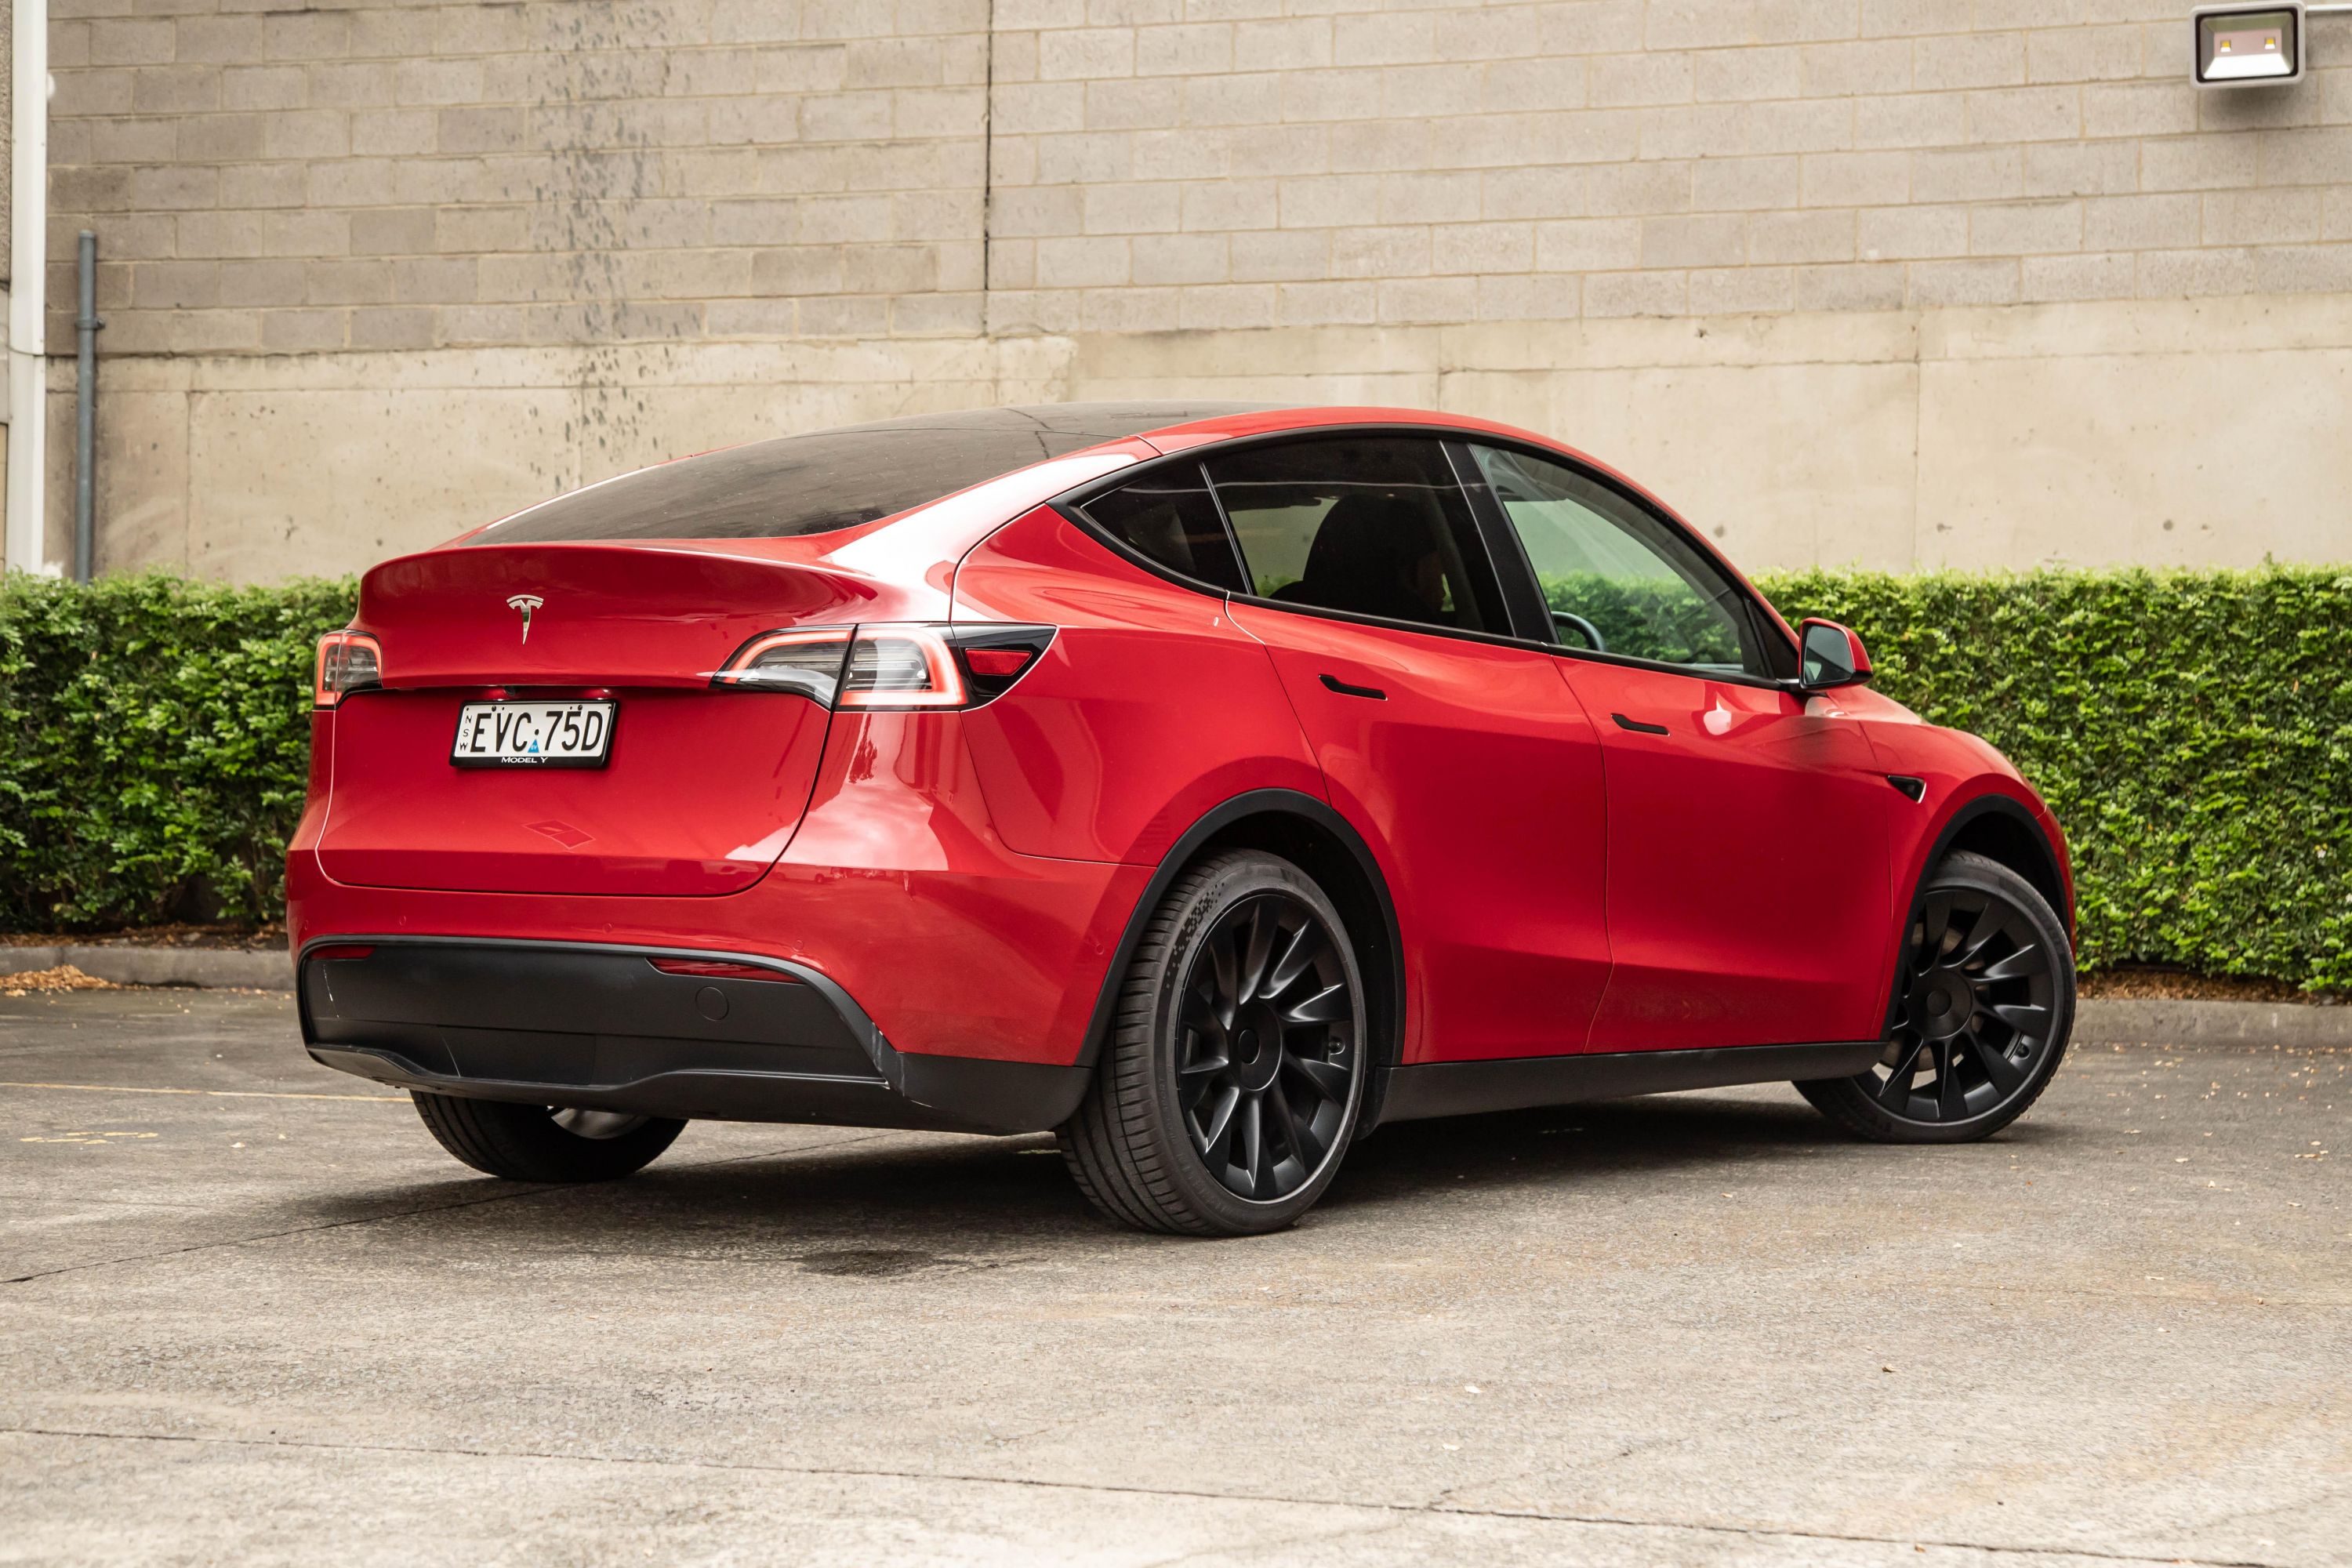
column 1151, row 708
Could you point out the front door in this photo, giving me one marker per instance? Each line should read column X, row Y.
column 1748, row 882
column 1477, row 785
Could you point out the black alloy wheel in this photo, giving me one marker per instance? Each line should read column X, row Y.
column 1984, row 1001
column 1230, row 1088
column 1267, row 1073
column 544, row 1142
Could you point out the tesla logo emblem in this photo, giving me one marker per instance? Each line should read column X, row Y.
column 526, row 603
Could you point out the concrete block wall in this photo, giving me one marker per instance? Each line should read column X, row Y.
column 269, row 177
column 1170, row 165
column 1898, row 282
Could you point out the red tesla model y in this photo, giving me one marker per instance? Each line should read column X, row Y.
column 1206, row 784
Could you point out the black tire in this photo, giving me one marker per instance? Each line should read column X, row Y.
column 537, row 1143
column 1984, row 1002
column 1232, row 1081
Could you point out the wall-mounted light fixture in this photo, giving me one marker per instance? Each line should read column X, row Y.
column 2253, row 45
column 2249, row 46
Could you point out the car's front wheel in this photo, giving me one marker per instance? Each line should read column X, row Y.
column 542, row 1142
column 1231, row 1081
column 1984, row 1002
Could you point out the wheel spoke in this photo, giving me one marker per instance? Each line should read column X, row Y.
column 1328, row 1079
column 1302, row 1144
column 1989, row 925
column 1263, row 930
column 1895, row 1093
column 2025, row 1017
column 2027, row 960
column 1225, row 1000
column 2006, row 1075
column 1305, row 945
column 1936, row 917
column 1252, row 1142
column 1199, row 1004
column 1951, row 1101
column 1328, row 1005
column 1219, row 1126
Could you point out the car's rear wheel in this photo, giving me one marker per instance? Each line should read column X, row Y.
column 544, row 1142
column 1230, row 1084
column 1984, row 1002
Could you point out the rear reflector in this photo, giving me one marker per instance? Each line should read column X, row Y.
column 348, row 661
column 997, row 662
column 332, row 952
column 713, row 968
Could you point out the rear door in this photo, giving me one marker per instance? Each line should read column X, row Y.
column 1458, row 758
column 1748, row 899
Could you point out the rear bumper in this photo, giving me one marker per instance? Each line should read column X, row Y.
column 598, row 1025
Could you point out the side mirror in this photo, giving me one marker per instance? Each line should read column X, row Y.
column 1830, row 655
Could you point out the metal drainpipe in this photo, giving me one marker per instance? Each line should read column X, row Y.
column 27, row 548
column 86, row 328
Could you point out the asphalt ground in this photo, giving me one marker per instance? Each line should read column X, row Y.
column 252, row 1313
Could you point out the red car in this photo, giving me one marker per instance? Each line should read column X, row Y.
column 1206, row 784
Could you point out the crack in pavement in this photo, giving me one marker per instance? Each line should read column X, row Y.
column 430, row 1209
column 1616, row 1521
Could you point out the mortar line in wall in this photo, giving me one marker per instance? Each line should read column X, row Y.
column 987, row 165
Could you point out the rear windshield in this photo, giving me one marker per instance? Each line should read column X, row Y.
column 833, row 478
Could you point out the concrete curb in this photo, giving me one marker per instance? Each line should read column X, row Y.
column 265, row 969
column 2120, row 1022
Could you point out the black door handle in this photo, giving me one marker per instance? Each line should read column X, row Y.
column 1344, row 689
column 1637, row 726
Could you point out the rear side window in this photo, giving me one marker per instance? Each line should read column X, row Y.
column 1375, row 526
column 832, row 478
column 1169, row 516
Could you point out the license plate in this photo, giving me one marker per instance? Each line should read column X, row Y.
column 533, row 735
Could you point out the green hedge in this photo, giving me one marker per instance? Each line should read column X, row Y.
column 2192, row 730
column 155, row 738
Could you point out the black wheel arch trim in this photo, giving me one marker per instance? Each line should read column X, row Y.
column 1258, row 803
column 1972, row 811
column 1992, row 803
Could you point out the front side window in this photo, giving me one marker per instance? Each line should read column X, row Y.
column 1373, row 526
column 1169, row 517
column 1618, row 578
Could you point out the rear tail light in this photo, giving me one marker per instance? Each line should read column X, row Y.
column 806, row 662
column 889, row 668
column 348, row 661
column 903, row 667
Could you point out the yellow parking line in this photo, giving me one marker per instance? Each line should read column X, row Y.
column 214, row 1093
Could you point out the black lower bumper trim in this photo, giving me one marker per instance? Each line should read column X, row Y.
column 601, row 1027
column 1519, row 1083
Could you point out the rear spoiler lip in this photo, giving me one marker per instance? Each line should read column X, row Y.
column 602, row 614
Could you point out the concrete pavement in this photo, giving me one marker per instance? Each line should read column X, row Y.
column 254, row 1313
